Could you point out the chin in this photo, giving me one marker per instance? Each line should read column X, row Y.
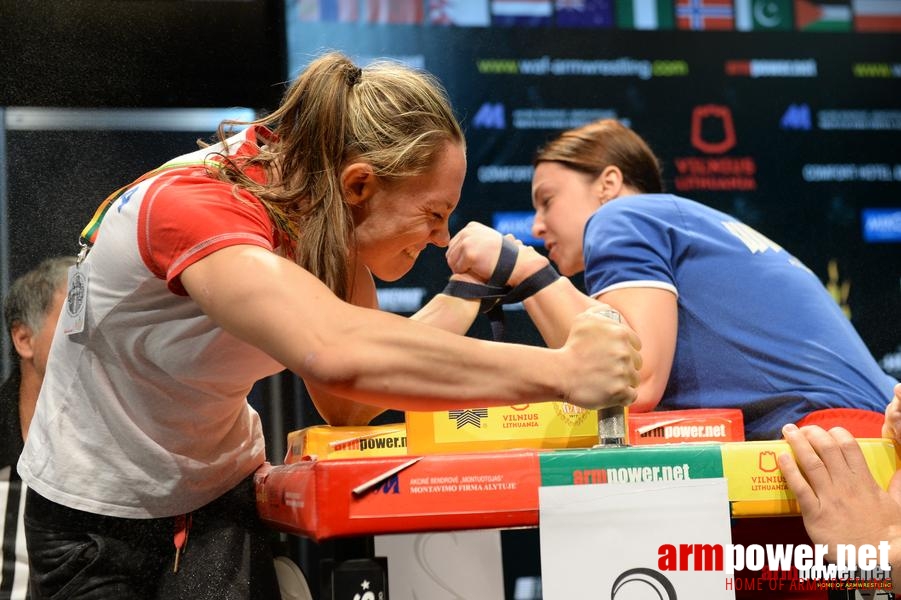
column 391, row 274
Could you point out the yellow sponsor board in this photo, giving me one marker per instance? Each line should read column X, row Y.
column 541, row 425
column 757, row 487
column 322, row 442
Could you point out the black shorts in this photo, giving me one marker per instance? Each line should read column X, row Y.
column 76, row 554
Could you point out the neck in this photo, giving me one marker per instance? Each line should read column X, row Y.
column 29, row 388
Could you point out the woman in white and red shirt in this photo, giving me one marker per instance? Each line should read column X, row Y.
column 235, row 262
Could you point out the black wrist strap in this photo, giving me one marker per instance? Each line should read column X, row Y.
column 491, row 296
column 494, row 296
column 532, row 284
column 505, row 263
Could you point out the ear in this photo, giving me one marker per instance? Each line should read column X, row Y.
column 22, row 338
column 609, row 184
column 358, row 182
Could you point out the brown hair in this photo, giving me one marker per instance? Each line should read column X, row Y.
column 593, row 147
column 389, row 115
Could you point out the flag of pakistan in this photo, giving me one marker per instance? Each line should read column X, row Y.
column 763, row 14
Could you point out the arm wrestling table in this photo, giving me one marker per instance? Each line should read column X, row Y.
column 354, row 498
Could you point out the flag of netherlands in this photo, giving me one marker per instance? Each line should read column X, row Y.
column 328, row 11
column 522, row 12
column 463, row 13
column 811, row 15
column 877, row 15
column 584, row 13
column 644, row 14
column 704, row 14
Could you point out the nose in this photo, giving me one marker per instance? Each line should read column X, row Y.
column 441, row 236
column 538, row 228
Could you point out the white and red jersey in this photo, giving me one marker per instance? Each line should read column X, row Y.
column 145, row 414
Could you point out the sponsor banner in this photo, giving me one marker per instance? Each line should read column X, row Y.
column 321, row 442
column 574, row 67
column 399, row 494
column 322, row 499
column 505, row 174
column 758, row 67
column 631, row 465
column 644, row 14
column 757, row 486
column 560, row 118
column 881, row 225
column 891, row 363
column 540, row 425
column 876, row 70
column 518, row 224
column 401, row 299
column 859, row 120
column 850, row 172
column 621, row 527
column 421, row 569
column 696, row 425
column 493, row 115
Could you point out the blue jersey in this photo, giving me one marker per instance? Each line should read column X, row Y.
column 757, row 329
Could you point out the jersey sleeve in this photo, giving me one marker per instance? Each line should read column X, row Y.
column 185, row 219
column 627, row 245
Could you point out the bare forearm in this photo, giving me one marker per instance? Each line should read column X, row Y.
column 455, row 315
column 553, row 309
column 378, row 358
column 410, row 366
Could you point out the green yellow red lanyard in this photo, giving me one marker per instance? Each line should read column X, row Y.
column 89, row 234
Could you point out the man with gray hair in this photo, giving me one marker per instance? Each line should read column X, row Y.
column 31, row 310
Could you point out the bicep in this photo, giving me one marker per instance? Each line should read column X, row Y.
column 264, row 300
column 653, row 314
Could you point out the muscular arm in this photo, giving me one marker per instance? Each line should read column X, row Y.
column 451, row 314
column 388, row 361
column 653, row 314
column 650, row 312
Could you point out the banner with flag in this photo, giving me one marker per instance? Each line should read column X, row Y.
column 533, row 13
column 398, row 12
column 759, row 15
column 812, row 15
column 644, row 14
column 462, row 13
column 705, row 14
column 328, row 11
column 877, row 15
column 584, row 13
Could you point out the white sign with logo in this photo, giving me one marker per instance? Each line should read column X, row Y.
column 453, row 565
column 635, row 541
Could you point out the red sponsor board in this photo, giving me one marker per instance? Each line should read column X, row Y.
column 369, row 496
column 695, row 425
